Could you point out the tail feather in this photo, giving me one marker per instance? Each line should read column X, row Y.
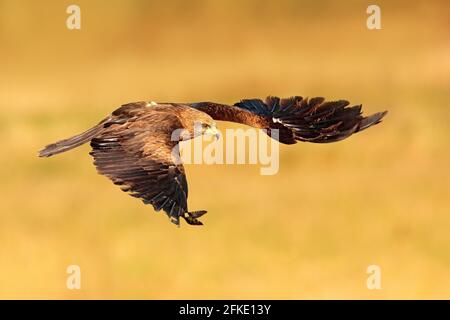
column 73, row 142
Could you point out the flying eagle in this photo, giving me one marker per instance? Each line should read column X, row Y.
column 133, row 145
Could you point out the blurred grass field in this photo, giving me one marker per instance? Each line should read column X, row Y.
column 380, row 197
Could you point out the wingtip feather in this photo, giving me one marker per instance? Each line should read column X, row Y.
column 372, row 120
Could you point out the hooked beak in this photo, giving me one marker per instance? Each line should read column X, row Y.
column 213, row 131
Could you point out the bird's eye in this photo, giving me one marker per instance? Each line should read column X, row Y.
column 205, row 125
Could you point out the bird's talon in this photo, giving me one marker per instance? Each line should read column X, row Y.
column 193, row 221
column 196, row 214
column 191, row 217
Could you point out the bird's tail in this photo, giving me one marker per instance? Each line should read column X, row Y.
column 73, row 142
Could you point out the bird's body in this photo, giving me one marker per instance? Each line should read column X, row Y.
column 137, row 145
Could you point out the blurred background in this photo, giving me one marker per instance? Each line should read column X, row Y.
column 381, row 197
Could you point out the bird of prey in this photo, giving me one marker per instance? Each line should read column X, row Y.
column 133, row 146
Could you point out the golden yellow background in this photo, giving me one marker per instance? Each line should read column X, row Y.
column 381, row 197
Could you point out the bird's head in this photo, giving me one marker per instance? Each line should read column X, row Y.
column 199, row 123
column 206, row 128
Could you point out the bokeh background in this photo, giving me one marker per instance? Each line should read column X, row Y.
column 380, row 197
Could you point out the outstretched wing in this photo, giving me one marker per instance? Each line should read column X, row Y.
column 296, row 118
column 140, row 161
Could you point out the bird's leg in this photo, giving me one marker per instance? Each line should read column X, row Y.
column 192, row 217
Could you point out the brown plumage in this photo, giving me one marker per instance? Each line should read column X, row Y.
column 296, row 118
column 137, row 145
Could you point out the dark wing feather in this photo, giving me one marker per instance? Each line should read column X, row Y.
column 296, row 118
column 140, row 161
